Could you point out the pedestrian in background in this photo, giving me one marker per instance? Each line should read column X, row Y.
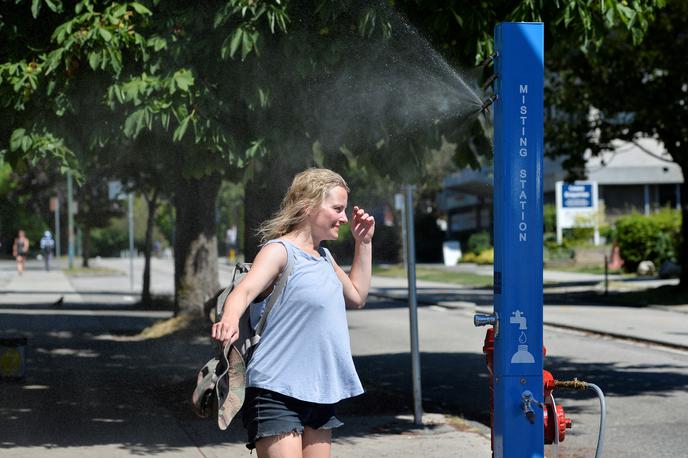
column 231, row 243
column 20, row 249
column 302, row 365
column 47, row 247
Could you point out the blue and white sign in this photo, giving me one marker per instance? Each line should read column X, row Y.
column 576, row 207
column 577, row 195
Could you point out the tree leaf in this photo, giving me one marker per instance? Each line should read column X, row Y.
column 236, row 40
column 139, row 8
column 181, row 129
column 94, row 59
column 55, row 6
column 105, row 34
column 183, row 78
column 35, row 8
column 16, row 139
column 246, row 45
column 133, row 123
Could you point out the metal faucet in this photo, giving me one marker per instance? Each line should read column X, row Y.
column 527, row 400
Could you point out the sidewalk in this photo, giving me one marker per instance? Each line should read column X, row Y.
column 109, row 396
column 35, row 286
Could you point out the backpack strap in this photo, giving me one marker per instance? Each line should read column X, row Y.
column 239, row 269
column 276, row 290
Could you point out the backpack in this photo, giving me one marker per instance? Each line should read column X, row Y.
column 47, row 244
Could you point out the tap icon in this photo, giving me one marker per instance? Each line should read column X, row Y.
column 518, row 318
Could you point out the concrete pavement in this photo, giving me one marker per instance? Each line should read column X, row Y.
column 92, row 391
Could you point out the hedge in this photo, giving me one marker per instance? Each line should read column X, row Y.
column 655, row 238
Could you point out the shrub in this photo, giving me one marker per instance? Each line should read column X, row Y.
column 479, row 242
column 580, row 236
column 655, row 238
column 550, row 218
column 108, row 241
column 485, row 257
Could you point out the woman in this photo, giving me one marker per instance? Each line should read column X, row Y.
column 20, row 249
column 303, row 364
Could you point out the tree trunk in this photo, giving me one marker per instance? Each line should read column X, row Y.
column 148, row 247
column 86, row 246
column 195, row 247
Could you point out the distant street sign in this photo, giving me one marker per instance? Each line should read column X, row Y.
column 398, row 201
column 577, row 195
column 115, row 190
column 576, row 207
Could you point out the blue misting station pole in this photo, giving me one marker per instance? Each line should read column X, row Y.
column 518, row 212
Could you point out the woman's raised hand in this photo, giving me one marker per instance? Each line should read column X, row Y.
column 362, row 225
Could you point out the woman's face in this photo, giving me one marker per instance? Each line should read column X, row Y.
column 327, row 218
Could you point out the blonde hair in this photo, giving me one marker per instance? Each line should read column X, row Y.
column 308, row 190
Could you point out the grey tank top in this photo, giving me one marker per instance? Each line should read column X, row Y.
column 304, row 351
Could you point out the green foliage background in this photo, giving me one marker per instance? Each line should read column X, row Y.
column 656, row 238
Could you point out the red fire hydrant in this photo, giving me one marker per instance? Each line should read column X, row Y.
column 558, row 423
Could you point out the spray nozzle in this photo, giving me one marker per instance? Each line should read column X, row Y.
column 487, row 102
column 489, row 60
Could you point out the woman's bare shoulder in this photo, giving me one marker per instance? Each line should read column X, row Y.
column 272, row 253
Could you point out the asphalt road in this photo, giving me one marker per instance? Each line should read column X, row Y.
column 645, row 386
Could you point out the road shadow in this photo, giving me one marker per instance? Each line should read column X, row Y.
column 85, row 387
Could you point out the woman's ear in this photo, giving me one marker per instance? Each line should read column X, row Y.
column 307, row 211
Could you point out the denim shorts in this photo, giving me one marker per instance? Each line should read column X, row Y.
column 267, row 413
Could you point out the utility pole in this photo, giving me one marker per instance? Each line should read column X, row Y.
column 131, row 239
column 70, row 222
column 413, row 304
column 58, row 203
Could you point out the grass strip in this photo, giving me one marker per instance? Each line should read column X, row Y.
column 438, row 275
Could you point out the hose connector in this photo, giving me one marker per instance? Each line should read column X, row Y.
column 574, row 384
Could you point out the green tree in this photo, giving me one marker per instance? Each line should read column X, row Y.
column 254, row 90
column 95, row 208
column 622, row 91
